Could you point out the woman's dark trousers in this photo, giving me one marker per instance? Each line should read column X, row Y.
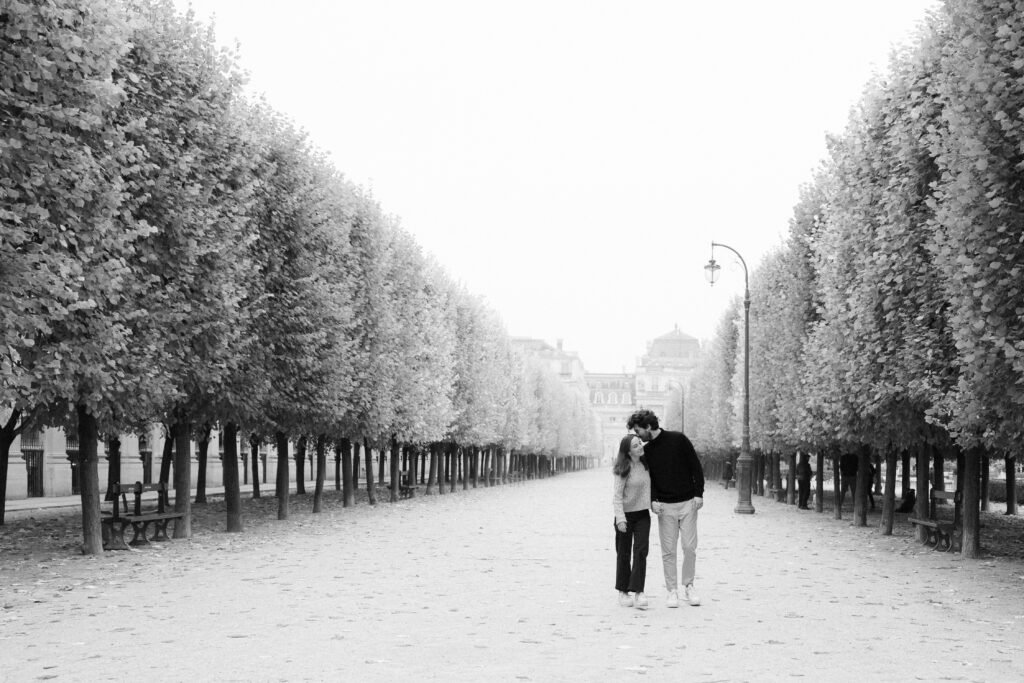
column 632, row 544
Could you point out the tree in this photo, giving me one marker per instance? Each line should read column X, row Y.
column 73, row 336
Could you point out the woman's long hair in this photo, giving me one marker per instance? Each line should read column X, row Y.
column 623, row 463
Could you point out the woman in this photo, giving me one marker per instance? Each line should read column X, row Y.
column 631, row 501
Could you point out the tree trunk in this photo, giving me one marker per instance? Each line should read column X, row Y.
column 983, row 494
column 357, row 447
column 382, row 456
column 300, row 466
column 453, row 467
column 819, row 482
column 89, row 478
column 232, row 494
column 321, row 472
column 337, row 468
column 167, row 456
column 889, row 496
column 1010, row 462
column 791, row 479
column 396, row 457
column 860, row 497
column 971, row 543
column 837, row 508
column 938, row 471
column 921, row 508
column 113, row 467
column 474, row 465
column 905, row 484
column 347, row 495
column 432, row 470
column 203, row 448
column 7, row 434
column 183, row 479
column 254, row 451
column 371, row 495
column 442, row 467
column 412, row 461
column 282, row 484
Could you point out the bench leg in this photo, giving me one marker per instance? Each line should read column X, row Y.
column 139, row 534
column 114, row 535
column 161, row 530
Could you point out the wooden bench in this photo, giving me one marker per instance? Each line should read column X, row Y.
column 406, row 488
column 115, row 522
column 940, row 532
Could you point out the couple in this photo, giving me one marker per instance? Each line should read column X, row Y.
column 655, row 470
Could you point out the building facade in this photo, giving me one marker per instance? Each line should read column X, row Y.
column 660, row 384
column 45, row 463
column 613, row 399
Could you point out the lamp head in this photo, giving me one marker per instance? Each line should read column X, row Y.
column 711, row 271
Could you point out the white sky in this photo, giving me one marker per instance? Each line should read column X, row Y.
column 573, row 160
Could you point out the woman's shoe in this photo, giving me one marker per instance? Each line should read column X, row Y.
column 640, row 601
column 625, row 600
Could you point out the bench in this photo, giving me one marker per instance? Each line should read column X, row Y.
column 115, row 522
column 407, row 489
column 939, row 532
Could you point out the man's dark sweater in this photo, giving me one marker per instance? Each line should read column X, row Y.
column 676, row 474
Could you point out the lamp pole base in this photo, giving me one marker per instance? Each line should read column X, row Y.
column 744, row 465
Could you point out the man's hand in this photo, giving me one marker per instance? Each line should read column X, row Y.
column 621, row 526
column 698, row 503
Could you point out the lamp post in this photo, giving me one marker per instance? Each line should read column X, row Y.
column 744, row 506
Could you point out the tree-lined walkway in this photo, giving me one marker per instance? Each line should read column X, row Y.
column 513, row 583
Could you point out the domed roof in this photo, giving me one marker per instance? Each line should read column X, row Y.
column 675, row 334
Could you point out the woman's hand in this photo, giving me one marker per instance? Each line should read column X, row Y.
column 621, row 527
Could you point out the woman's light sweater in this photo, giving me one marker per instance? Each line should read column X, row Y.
column 632, row 492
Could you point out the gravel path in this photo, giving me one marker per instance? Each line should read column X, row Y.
column 505, row 584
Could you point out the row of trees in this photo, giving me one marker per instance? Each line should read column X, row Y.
column 893, row 318
column 175, row 252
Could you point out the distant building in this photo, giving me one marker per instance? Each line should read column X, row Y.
column 613, row 399
column 663, row 376
column 566, row 364
column 660, row 384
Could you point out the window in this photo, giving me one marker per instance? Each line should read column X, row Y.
column 625, row 398
column 597, row 398
column 611, row 397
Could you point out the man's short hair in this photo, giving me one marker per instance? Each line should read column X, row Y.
column 643, row 418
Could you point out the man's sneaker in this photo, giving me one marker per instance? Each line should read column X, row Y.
column 672, row 599
column 691, row 596
column 625, row 600
column 640, row 602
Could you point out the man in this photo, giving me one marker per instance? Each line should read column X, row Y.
column 677, row 493
column 804, row 474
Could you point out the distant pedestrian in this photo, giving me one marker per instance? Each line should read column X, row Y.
column 677, row 493
column 631, row 502
column 848, row 463
column 908, row 502
column 871, row 484
column 804, row 474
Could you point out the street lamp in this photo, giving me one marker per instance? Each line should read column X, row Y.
column 744, row 505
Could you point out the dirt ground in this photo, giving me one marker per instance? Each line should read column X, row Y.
column 509, row 584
